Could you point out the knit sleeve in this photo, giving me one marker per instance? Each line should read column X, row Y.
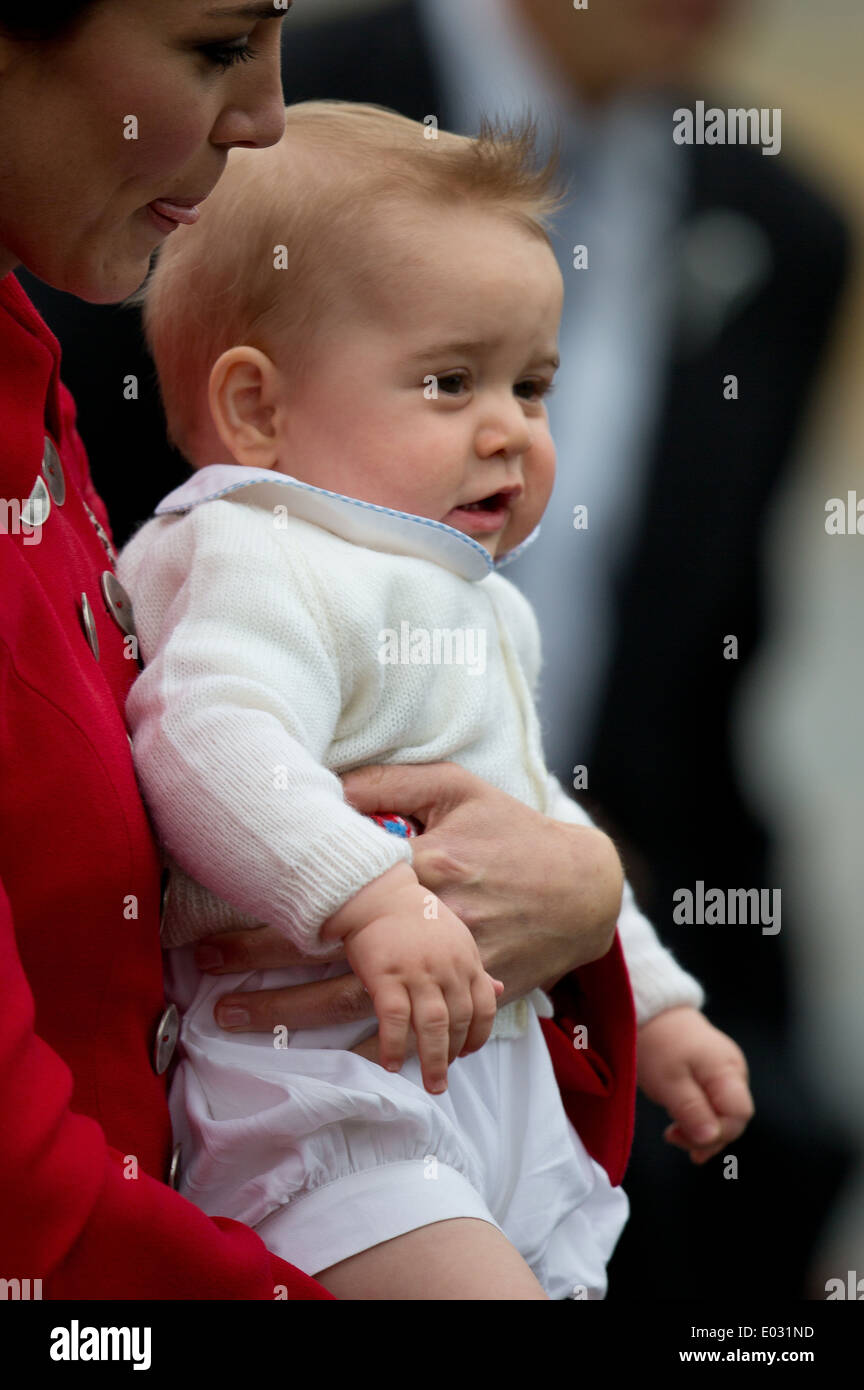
column 190, row 911
column 657, row 980
column 233, row 715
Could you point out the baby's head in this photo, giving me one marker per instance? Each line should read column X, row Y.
column 373, row 311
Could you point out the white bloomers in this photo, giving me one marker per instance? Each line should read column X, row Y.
column 326, row 1153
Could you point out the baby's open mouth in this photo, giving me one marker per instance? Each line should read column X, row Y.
column 485, row 515
column 486, row 504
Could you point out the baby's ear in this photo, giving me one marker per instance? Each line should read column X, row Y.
column 242, row 395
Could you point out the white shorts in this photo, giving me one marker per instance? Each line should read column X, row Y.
column 325, row 1153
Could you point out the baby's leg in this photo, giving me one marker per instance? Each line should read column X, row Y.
column 461, row 1258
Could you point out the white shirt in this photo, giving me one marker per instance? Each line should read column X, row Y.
column 268, row 611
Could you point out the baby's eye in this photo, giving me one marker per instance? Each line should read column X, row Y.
column 451, row 385
column 533, row 390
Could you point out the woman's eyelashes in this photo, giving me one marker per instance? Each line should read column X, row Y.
column 224, row 56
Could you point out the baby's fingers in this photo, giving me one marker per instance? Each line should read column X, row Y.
column 689, row 1106
column 460, row 1006
column 430, row 1017
column 393, row 1007
column 484, row 995
column 731, row 1097
column 725, row 1096
column 700, row 1153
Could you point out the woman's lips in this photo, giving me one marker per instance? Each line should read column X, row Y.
column 167, row 215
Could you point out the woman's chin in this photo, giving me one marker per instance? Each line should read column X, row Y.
column 110, row 283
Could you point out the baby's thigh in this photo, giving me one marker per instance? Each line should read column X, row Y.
column 462, row 1258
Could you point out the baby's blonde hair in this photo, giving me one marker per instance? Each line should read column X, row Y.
column 320, row 194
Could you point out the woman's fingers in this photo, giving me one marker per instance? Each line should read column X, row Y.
column 417, row 790
column 262, row 948
column 318, row 1004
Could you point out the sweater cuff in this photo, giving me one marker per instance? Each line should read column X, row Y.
column 658, row 983
column 190, row 911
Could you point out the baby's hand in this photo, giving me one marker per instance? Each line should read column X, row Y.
column 700, row 1075
column 422, row 968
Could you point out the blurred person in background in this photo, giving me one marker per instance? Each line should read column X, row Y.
column 701, row 263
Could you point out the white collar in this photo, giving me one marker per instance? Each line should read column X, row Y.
column 362, row 523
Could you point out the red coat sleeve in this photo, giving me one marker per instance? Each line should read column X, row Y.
column 592, row 1044
column 69, row 1213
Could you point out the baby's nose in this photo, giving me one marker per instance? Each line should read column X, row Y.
column 509, row 437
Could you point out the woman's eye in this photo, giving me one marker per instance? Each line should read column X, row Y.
column 224, row 56
column 450, row 385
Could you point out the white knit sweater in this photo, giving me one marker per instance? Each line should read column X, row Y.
column 290, row 634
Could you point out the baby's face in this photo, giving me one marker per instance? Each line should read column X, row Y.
column 436, row 406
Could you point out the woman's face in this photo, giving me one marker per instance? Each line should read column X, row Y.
column 143, row 103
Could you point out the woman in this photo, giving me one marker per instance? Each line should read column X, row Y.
column 107, row 109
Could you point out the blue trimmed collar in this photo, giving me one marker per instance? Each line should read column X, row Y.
column 362, row 523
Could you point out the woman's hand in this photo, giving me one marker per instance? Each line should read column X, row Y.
column 540, row 897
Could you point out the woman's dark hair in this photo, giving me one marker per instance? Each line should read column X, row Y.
column 56, row 19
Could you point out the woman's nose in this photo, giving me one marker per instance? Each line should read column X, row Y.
column 254, row 115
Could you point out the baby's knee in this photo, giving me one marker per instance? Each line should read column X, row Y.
column 463, row 1258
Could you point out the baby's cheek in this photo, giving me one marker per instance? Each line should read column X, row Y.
column 517, row 529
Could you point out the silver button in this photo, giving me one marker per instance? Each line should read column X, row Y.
column 37, row 508
column 118, row 602
column 89, row 624
column 167, row 1033
column 53, row 470
column 174, row 1168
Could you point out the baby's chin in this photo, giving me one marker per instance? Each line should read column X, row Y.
column 489, row 528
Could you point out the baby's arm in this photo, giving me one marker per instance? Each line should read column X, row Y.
column 422, row 968
column 233, row 715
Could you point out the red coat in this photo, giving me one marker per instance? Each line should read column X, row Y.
column 85, row 1143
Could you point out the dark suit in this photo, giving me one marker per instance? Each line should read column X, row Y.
column 660, row 759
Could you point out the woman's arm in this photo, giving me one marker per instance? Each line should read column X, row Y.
column 71, row 1212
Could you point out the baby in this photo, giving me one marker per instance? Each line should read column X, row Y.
column 354, row 346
